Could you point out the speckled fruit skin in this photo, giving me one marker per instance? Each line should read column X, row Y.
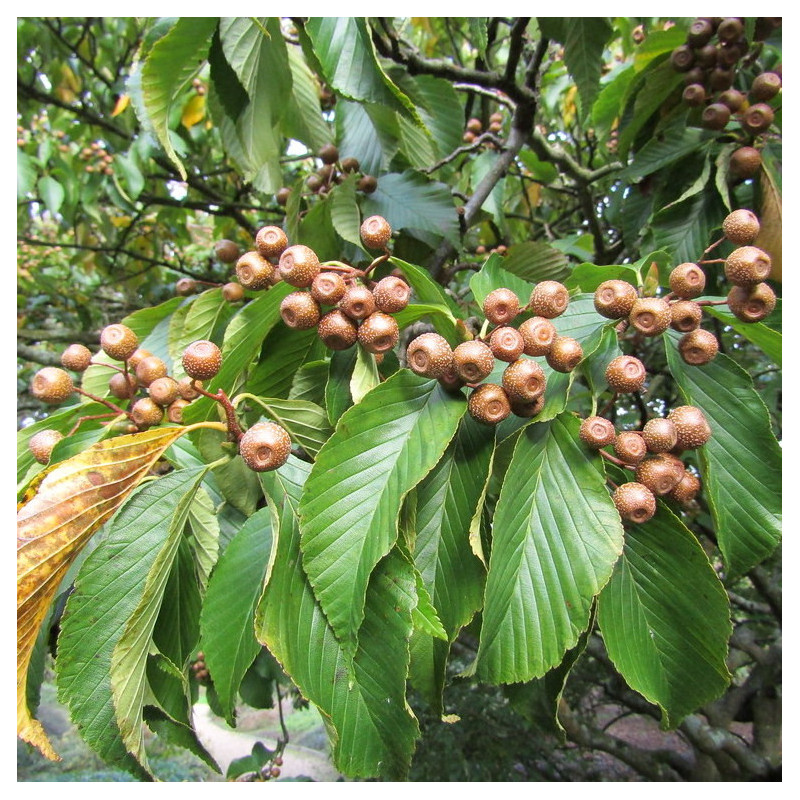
column 549, row 299
column 687, row 488
column 635, row 502
column 118, row 341
column 358, row 302
column 625, row 374
column 430, row 355
column 506, row 343
column 163, row 391
column 659, row 474
column 52, row 385
column 752, row 303
column 233, row 292
column 265, row 446
column 741, row 227
column 391, row 294
column 298, row 266
column 41, row 444
column 527, row 410
column 691, row 426
column 122, row 386
column 227, row 251
column 150, row 369
column 614, row 299
column 473, row 361
column 254, row 271
column 300, row 311
column 650, row 316
column 698, row 347
column 337, row 330
column 597, row 432
column 630, row 447
column 489, row 404
column 747, row 266
column 328, row 288
column 660, row 435
column 524, row 381
column 187, row 390
column 538, row 335
column 77, row 357
column 565, row 354
column 202, row 360
column 271, row 241
column 687, row 281
column 500, row 306
column 686, row 315
column 379, row 332
column 146, row 413
column 375, row 232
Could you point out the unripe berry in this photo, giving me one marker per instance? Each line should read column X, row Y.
column 375, row 232
column 538, row 334
column 358, row 302
column 597, row 432
column 524, row 381
column 741, row 227
column 271, row 241
column 41, row 444
column 265, row 446
column 506, row 343
column 430, row 355
column 299, row 310
column 489, row 404
column 52, row 385
column 233, row 292
column 751, row 303
column 650, row 316
column 76, row 357
column 625, row 374
column 163, row 391
column 659, row 474
column 328, row 288
column 150, row 369
column 686, row 315
column 660, row 435
column 501, row 306
column 118, row 341
column 146, row 413
column 299, row 265
column 687, row 281
column 687, row 488
column 175, row 410
column 378, row 333
column 614, row 299
column 122, row 386
column 473, row 361
column 635, row 502
column 549, row 299
column 254, row 271
column 698, row 347
column 201, row 360
column 565, row 354
column 747, row 266
column 227, row 251
column 337, row 330
column 691, row 427
column 629, row 446
column 391, row 294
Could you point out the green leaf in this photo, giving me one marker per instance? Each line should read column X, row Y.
column 204, row 540
column 169, row 66
column 337, row 390
column 51, row 192
column 768, row 340
column 303, row 119
column 595, row 363
column 26, row 175
column 683, row 228
column 345, row 214
column 583, row 54
column 226, row 621
column 587, row 277
column 309, row 382
column 305, row 422
column 665, row 618
column 670, row 146
column 536, row 261
column 493, row 275
column 440, row 108
column 369, row 133
column 556, row 536
column 380, row 450
column 741, row 463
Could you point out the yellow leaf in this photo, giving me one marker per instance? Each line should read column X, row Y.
column 770, row 237
column 123, row 101
column 570, row 109
column 60, row 511
column 651, row 281
column 194, row 111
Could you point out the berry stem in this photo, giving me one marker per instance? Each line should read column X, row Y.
column 377, row 262
column 338, row 266
column 107, row 403
column 712, row 261
column 235, row 432
column 711, row 302
column 614, row 460
column 81, row 420
column 712, row 247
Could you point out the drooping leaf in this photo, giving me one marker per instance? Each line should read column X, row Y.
column 536, row 261
column 583, row 54
column 305, row 422
column 675, row 143
column 493, row 275
column 337, row 389
column 368, row 132
column 303, row 118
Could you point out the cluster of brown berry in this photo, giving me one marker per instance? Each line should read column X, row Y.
column 474, row 127
column 200, row 669
column 709, row 59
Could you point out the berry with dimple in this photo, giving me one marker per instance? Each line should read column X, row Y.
column 227, row 251
column 367, row 184
column 138, row 355
column 625, row 374
column 337, row 331
column 698, row 347
column 700, row 32
column 752, row 303
column 329, row 154
column 186, row 389
column 650, row 315
column 687, row 281
column 597, row 432
column 730, row 29
column 741, row 226
column 358, row 302
column 565, row 354
column 524, row 381
column 549, row 299
column 391, row 294
column 733, row 99
column 254, row 271
column 473, row 361
column 629, row 446
column 758, row 118
column 375, row 232
column 691, row 427
column 660, row 435
column 233, row 292
column 686, row 489
column 298, row 266
column 506, row 343
column 300, row 311
column 265, row 446
column 271, row 241
column 527, row 410
column 682, row 58
column 501, row 306
column 350, row 164
column 41, row 444
column 745, row 162
column 614, row 299
column 430, row 355
column 451, row 381
column 328, row 288
column 52, row 385
column 201, row 360
column 122, row 386
column 538, row 335
column 634, row 502
column 659, row 474
column 163, row 391
column 150, row 369
column 76, row 357
column 489, row 404
column 694, row 95
column 185, row 286
column 686, row 315
column 765, row 86
column 715, row 116
column 747, row 265
column 378, row 333
column 146, row 413
column 175, row 410
column 118, row 341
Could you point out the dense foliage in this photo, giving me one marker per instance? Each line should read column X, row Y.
column 406, row 557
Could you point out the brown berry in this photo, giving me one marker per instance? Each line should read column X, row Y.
column 765, row 86
column 698, row 347
column 227, row 251
column 730, row 29
column 430, row 355
column 715, row 116
column 659, row 474
column 747, row 266
column 328, row 288
column 527, row 410
column 329, row 154
column 138, row 355
column 629, row 446
column 76, row 357
column 687, row 281
column 254, row 271
column 450, row 381
column 549, row 299
column 350, row 164
column 265, row 446
column 741, row 226
column 650, row 315
column 473, row 361
column 337, row 330
column 733, row 99
column 185, row 286
column 282, row 196
column 614, row 299
column 146, row 413
column 660, row 435
column 41, row 444
column 686, row 315
column 474, row 125
column 691, row 427
column 271, row 241
column 299, row 310
column 694, row 95
column 298, row 266
column 501, row 306
column 489, row 404
column 357, row 302
column 52, row 385
column 122, row 386
column 745, row 163
column 625, row 374
column 682, row 58
column 368, row 184
column 378, row 333
column 186, row 389
column 375, row 232
column 565, row 354
column 175, row 410
column 597, row 432
column 538, row 334
column 758, row 118
column 635, row 502
column 391, row 294
column 150, row 369
column 686, row 489
column 506, row 343
column 752, row 303
column 524, row 381
column 163, row 391
column 118, row 341
column 201, row 360
column 706, row 56
column 233, row 292
column 700, row 32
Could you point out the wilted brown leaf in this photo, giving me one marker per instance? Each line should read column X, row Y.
column 770, row 237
